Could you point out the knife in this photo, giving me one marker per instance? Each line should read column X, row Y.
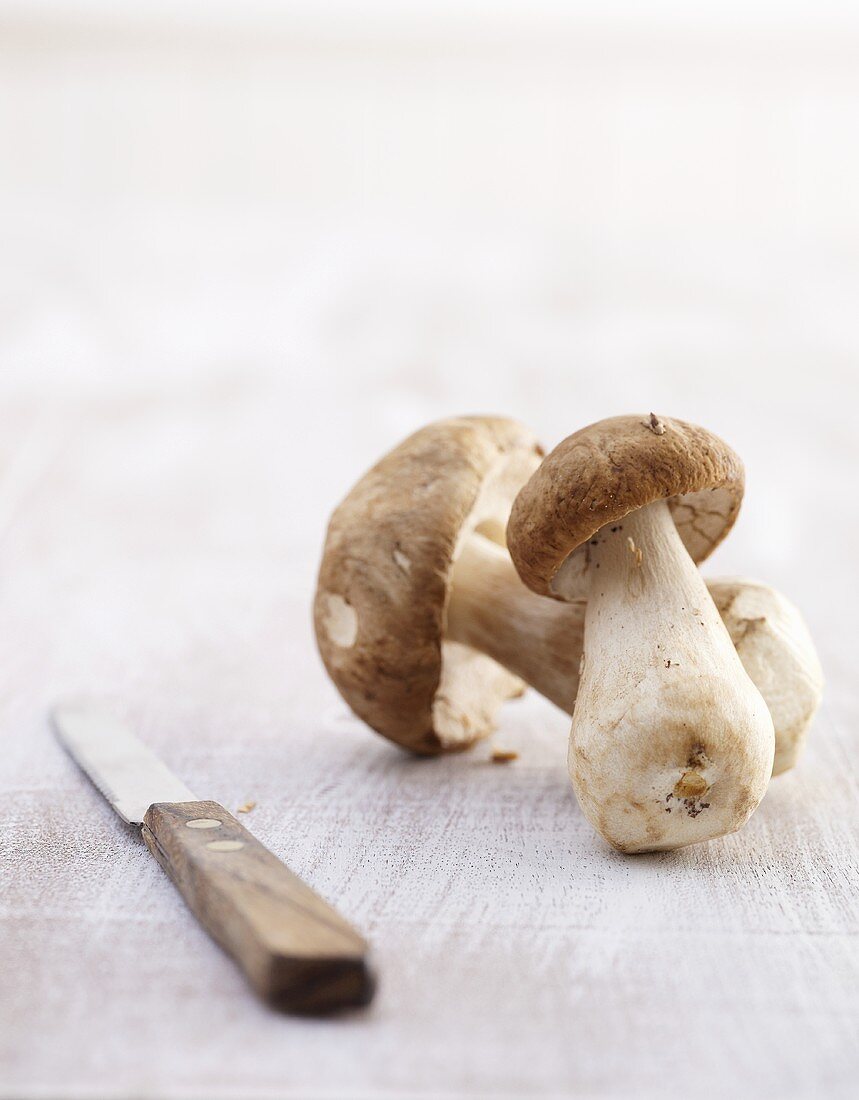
column 297, row 952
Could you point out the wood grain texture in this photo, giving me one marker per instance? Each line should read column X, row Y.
column 516, row 954
column 296, row 951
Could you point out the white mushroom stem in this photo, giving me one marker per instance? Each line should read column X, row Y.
column 671, row 742
column 542, row 640
column 490, row 609
column 778, row 654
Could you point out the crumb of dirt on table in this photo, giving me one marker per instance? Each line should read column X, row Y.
column 503, row 756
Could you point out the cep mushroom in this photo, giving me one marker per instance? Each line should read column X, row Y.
column 384, row 583
column 442, row 695
column 671, row 742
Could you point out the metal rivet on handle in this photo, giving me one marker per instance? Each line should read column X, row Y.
column 202, row 823
column 225, row 845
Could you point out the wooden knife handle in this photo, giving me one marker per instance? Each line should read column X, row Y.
column 296, row 950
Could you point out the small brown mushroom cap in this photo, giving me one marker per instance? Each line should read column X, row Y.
column 383, row 587
column 603, row 472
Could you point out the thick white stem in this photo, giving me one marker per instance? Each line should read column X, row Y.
column 542, row 640
column 671, row 742
column 491, row 610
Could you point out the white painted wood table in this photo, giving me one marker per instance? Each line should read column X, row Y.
column 159, row 552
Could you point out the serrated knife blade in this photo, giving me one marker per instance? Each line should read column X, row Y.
column 295, row 948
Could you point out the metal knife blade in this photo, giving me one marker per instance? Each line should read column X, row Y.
column 127, row 773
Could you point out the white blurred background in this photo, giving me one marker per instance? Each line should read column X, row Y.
column 256, row 244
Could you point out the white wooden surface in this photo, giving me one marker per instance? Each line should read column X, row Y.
column 189, row 382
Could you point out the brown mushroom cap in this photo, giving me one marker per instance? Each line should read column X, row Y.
column 602, row 473
column 382, row 593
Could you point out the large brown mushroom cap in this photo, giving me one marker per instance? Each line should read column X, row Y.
column 603, row 472
column 382, row 592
